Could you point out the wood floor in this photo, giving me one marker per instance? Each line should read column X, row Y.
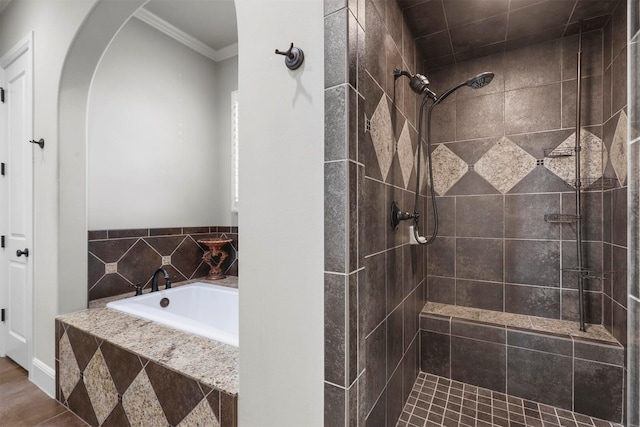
column 22, row 404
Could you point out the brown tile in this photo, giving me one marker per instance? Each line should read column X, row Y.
column 165, row 231
column 139, row 263
column 187, row 257
column 84, row 346
column 117, row 418
column 164, row 245
column 214, row 401
column 119, row 234
column 111, row 250
column 80, row 403
column 228, row 410
column 169, row 385
column 95, row 269
column 123, row 365
column 109, row 285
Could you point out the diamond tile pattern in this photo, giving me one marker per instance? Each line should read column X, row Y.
column 619, row 149
column 505, row 165
column 382, row 136
column 593, row 157
column 141, row 404
column 100, row 387
column 116, row 263
column 438, row 401
column 448, row 168
column 117, row 388
column 68, row 372
column 405, row 153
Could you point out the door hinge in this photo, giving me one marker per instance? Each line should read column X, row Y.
column 2, row 95
column 1, row 241
column 2, row 315
column 2, row 168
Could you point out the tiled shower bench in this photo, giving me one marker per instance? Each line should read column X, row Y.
column 113, row 369
column 545, row 360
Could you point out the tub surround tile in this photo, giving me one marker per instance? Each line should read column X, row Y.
column 201, row 415
column 167, row 385
column 141, row 404
column 210, row 362
column 117, row 263
column 100, row 387
column 118, row 387
column 68, row 372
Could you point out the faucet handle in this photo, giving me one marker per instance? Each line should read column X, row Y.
column 138, row 287
column 167, row 283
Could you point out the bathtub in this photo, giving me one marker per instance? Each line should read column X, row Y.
column 200, row 308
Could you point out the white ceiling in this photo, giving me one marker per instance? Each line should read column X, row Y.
column 213, row 22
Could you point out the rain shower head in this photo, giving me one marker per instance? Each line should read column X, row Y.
column 481, row 80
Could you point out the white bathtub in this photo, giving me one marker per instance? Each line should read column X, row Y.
column 203, row 309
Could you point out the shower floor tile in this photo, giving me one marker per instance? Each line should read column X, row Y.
column 438, row 401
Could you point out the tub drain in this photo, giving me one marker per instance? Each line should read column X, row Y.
column 164, row 302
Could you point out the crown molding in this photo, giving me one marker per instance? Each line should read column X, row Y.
column 184, row 38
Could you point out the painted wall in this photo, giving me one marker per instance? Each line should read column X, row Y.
column 281, row 214
column 281, row 304
column 51, row 42
column 159, row 150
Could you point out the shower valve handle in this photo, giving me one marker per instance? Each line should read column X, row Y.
column 397, row 215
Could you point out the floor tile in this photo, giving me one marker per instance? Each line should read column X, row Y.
column 438, row 401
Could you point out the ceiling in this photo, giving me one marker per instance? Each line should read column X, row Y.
column 212, row 22
column 449, row 31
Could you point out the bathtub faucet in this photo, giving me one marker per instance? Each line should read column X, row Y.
column 154, row 280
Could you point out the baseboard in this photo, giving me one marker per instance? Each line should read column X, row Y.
column 44, row 376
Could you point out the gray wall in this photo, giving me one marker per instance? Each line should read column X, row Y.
column 496, row 251
column 633, row 379
column 374, row 280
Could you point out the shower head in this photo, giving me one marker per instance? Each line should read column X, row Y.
column 481, row 80
column 477, row 82
column 417, row 82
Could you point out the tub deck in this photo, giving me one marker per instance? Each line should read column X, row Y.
column 113, row 368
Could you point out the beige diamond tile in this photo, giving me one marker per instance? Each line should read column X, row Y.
column 448, row 168
column 424, row 168
column 505, row 165
column 382, row 136
column 141, row 404
column 201, row 415
column 619, row 149
column 100, row 387
column 111, row 267
column 593, row 157
column 69, row 374
column 405, row 153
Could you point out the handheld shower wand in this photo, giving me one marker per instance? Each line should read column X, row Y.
column 419, row 84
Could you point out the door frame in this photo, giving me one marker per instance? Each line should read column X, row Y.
column 23, row 47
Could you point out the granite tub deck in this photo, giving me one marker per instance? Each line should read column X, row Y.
column 114, row 369
column 543, row 360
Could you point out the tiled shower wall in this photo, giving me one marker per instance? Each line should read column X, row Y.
column 118, row 259
column 614, row 119
column 495, row 249
column 374, row 280
column 633, row 378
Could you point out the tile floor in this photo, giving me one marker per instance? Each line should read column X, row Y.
column 437, row 401
column 23, row 404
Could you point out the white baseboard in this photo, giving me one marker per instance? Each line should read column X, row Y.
column 44, row 376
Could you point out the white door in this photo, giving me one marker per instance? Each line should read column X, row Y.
column 17, row 203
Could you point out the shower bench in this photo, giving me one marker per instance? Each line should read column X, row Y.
column 546, row 360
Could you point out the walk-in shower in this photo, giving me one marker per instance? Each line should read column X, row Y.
column 420, row 84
